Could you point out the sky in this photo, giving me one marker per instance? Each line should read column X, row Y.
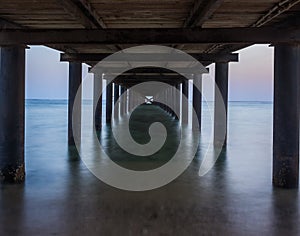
column 250, row 79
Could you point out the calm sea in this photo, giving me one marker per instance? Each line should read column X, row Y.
column 61, row 197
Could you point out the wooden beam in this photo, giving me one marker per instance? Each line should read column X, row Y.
column 75, row 11
column 83, row 57
column 237, row 35
column 201, row 11
column 91, row 12
column 145, row 70
column 134, row 78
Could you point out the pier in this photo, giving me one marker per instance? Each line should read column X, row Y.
column 211, row 32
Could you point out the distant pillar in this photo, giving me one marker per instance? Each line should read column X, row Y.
column 286, row 116
column 185, row 104
column 177, row 102
column 75, row 75
column 98, row 104
column 129, row 100
column 126, row 101
column 220, row 121
column 116, row 97
column 197, row 102
column 122, row 110
column 108, row 101
column 12, row 95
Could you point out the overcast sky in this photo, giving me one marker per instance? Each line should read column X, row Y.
column 250, row 79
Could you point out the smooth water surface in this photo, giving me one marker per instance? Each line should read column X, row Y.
column 61, row 197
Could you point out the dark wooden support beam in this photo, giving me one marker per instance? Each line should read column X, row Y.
column 90, row 12
column 12, row 114
column 146, row 78
column 83, row 57
column 286, row 116
column 75, row 77
column 260, row 35
column 74, row 10
column 98, row 104
column 146, row 70
column 201, row 11
column 221, row 104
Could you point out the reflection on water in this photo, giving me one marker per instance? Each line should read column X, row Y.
column 61, row 197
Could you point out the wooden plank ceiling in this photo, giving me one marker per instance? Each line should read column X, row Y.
column 89, row 14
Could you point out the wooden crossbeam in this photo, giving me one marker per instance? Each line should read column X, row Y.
column 84, row 57
column 91, row 12
column 237, row 35
column 134, row 78
column 201, row 11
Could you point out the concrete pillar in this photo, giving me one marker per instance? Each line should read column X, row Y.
column 98, row 107
column 197, row 102
column 116, row 93
column 122, row 110
column 130, row 100
column 116, row 97
column 286, row 116
column 220, row 119
column 12, row 95
column 75, row 77
column 185, row 105
column 177, row 102
column 108, row 101
column 126, row 101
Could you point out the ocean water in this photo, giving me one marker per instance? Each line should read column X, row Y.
column 62, row 197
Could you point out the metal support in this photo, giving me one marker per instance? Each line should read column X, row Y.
column 286, row 116
column 12, row 110
column 75, row 76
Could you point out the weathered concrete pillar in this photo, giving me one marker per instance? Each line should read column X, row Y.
column 221, row 103
column 197, row 102
column 116, row 97
column 286, row 116
column 98, row 106
column 185, row 104
column 12, row 110
column 75, row 77
column 108, row 101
